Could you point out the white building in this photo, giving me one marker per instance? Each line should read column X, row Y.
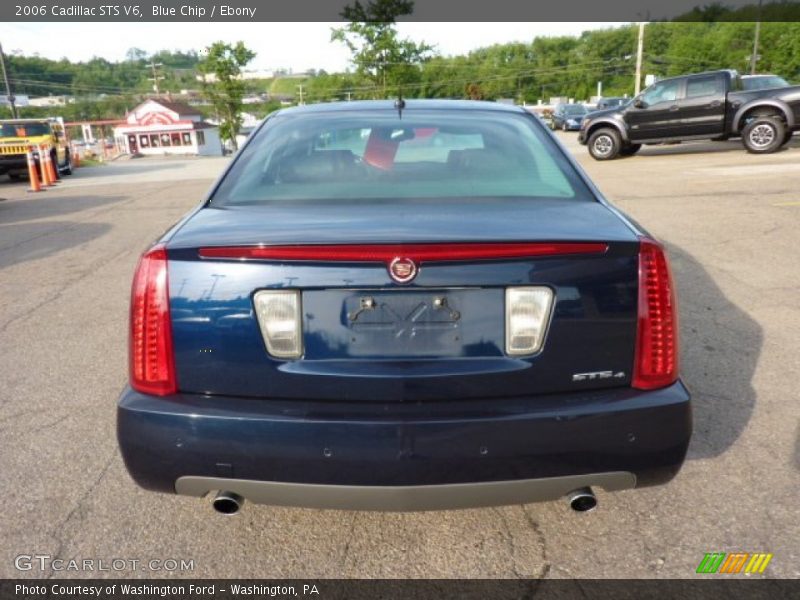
column 158, row 127
column 51, row 101
column 249, row 123
column 256, row 74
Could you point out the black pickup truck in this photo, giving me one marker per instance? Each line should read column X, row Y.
column 705, row 106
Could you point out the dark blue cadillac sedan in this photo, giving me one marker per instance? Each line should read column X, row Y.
column 404, row 305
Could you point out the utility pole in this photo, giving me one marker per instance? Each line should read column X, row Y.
column 754, row 57
column 637, row 85
column 9, row 95
column 300, row 88
column 156, row 77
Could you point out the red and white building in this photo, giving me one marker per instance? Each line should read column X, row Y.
column 159, row 127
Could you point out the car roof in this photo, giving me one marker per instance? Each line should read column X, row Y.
column 473, row 105
column 731, row 72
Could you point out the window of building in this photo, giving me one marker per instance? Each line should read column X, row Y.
column 154, row 140
column 201, row 138
column 187, row 139
column 144, row 142
column 176, row 139
column 165, row 139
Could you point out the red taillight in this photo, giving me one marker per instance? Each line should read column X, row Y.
column 448, row 252
column 656, row 362
column 152, row 369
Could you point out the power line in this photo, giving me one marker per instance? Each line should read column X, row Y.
column 518, row 72
column 73, row 86
column 597, row 66
column 604, row 66
column 575, row 79
column 685, row 61
column 522, row 72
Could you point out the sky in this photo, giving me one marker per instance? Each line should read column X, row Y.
column 295, row 46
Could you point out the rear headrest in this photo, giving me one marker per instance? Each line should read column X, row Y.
column 319, row 166
column 481, row 159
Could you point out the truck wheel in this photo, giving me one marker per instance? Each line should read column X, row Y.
column 604, row 144
column 67, row 168
column 630, row 149
column 763, row 135
column 788, row 137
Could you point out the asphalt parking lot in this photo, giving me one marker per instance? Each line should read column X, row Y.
column 731, row 222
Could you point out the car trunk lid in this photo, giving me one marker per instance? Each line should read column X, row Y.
column 368, row 338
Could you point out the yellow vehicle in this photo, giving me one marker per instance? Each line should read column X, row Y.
column 16, row 135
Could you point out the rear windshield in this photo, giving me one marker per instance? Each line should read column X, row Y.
column 378, row 154
column 575, row 109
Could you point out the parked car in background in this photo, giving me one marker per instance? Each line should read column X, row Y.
column 547, row 117
column 567, row 117
column 704, row 106
column 611, row 102
column 403, row 306
column 763, row 82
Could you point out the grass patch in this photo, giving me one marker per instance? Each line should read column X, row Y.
column 92, row 162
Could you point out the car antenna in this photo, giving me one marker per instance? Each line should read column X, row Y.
column 400, row 104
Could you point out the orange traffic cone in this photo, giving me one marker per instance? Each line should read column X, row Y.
column 50, row 165
column 75, row 157
column 44, row 158
column 32, row 174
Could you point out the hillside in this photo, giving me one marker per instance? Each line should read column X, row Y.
column 525, row 71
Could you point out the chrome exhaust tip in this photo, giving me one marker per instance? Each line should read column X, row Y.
column 228, row 503
column 582, row 500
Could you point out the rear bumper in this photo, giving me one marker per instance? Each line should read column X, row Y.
column 446, row 496
column 381, row 456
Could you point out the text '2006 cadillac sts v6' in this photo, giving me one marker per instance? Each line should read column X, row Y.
column 403, row 306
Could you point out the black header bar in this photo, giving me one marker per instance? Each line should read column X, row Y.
column 424, row 10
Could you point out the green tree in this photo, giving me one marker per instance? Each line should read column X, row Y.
column 381, row 59
column 329, row 87
column 222, row 84
column 135, row 55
